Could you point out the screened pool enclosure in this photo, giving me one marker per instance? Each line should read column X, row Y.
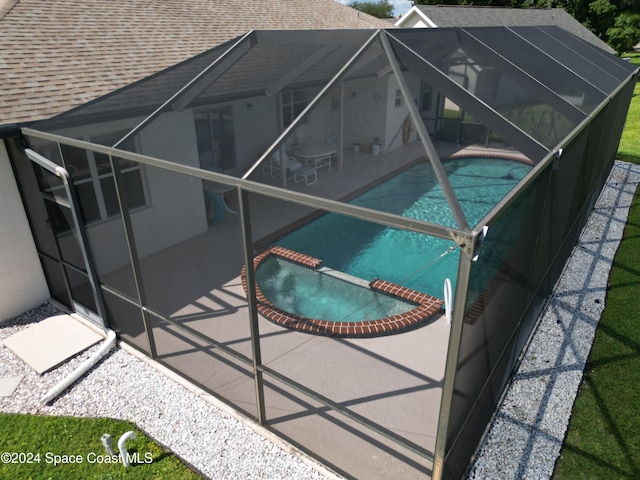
column 278, row 219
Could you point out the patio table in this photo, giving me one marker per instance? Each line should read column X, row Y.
column 217, row 204
column 317, row 155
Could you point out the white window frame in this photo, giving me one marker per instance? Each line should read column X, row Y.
column 95, row 178
column 288, row 105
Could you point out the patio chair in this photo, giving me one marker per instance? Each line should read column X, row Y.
column 272, row 166
column 298, row 171
column 306, row 173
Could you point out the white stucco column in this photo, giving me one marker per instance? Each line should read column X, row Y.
column 22, row 283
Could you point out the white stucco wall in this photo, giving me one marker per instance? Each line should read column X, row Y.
column 255, row 127
column 396, row 115
column 22, row 283
column 416, row 22
column 365, row 110
column 175, row 211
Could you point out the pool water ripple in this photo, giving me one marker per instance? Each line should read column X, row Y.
column 366, row 250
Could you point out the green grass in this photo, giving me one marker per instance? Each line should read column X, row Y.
column 45, row 441
column 603, row 440
column 604, row 433
column 629, row 149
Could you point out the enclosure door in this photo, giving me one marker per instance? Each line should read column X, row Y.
column 74, row 266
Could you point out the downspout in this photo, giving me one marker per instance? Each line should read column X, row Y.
column 122, row 447
column 82, row 369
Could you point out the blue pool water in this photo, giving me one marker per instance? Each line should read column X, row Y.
column 415, row 261
column 294, row 288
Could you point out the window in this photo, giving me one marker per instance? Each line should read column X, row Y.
column 93, row 179
column 293, row 103
column 216, row 142
column 426, row 93
column 398, row 99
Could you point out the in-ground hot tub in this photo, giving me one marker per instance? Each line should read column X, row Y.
column 294, row 291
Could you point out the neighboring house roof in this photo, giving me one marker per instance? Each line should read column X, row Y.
column 55, row 55
column 466, row 16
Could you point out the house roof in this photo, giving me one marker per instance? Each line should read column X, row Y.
column 56, row 55
column 471, row 16
column 264, row 62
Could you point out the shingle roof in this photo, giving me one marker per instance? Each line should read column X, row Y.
column 55, row 55
column 469, row 16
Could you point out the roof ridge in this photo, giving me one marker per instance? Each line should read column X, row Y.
column 493, row 7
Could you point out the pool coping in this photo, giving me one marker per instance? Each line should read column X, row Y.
column 499, row 156
column 426, row 305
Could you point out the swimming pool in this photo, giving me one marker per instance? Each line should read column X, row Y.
column 294, row 290
column 366, row 250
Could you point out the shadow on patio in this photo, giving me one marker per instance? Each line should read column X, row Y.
column 393, row 381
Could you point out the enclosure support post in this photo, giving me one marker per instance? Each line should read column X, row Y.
column 341, row 138
column 243, row 197
column 452, row 200
column 282, row 150
column 453, row 351
column 136, row 269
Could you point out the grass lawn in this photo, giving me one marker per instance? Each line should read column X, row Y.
column 629, row 149
column 44, row 447
column 603, row 440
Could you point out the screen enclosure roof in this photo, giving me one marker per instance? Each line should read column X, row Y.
column 543, row 64
column 532, row 86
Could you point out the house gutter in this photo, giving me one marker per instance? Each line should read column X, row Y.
column 13, row 130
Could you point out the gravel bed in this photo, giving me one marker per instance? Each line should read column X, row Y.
column 524, row 440
column 527, row 433
column 125, row 387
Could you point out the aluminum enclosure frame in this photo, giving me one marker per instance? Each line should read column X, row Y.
column 449, row 453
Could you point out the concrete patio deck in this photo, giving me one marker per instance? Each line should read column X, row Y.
column 394, row 381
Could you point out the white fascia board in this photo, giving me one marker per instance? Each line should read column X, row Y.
column 415, row 11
